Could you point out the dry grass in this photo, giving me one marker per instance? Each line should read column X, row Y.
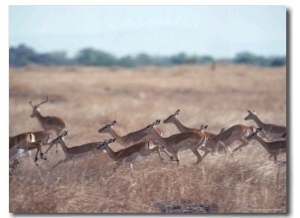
column 89, row 98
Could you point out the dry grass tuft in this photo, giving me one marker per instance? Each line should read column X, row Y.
column 89, row 98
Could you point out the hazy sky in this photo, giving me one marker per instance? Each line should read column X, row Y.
column 219, row 31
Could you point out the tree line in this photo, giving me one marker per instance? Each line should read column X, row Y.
column 23, row 55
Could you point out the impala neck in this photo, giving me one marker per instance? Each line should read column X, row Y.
column 262, row 142
column 63, row 146
column 156, row 136
column 115, row 135
column 39, row 116
column 110, row 152
column 180, row 126
column 258, row 121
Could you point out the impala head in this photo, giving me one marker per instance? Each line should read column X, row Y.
column 169, row 119
column 250, row 115
column 107, row 127
column 36, row 107
column 255, row 134
column 150, row 127
column 60, row 137
column 203, row 127
column 106, row 142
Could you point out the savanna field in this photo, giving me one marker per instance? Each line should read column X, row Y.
column 88, row 98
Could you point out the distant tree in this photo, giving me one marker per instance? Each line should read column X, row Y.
column 205, row 59
column 277, row 62
column 92, row 57
column 144, row 60
column 127, row 61
column 21, row 55
column 244, row 58
column 179, row 58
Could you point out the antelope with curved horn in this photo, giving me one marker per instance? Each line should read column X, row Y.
column 48, row 122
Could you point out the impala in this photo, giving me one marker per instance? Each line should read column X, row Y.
column 126, row 140
column 75, row 152
column 130, row 154
column 226, row 137
column 182, row 128
column 274, row 148
column 269, row 131
column 44, row 136
column 173, row 119
column 130, row 138
column 27, row 142
column 48, row 122
column 178, row 142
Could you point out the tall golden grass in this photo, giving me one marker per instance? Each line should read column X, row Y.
column 90, row 97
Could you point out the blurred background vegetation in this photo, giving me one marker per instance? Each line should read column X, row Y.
column 23, row 55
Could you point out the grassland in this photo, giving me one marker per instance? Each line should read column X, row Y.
column 90, row 97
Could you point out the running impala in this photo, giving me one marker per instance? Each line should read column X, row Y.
column 26, row 141
column 182, row 128
column 274, row 148
column 131, row 138
column 48, row 122
column 74, row 152
column 178, row 142
column 130, row 154
column 269, row 131
column 214, row 141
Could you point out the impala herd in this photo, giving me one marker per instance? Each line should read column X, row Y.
column 147, row 140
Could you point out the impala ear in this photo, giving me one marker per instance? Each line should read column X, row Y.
column 156, row 122
column 113, row 123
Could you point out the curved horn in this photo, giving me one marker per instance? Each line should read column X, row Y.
column 43, row 102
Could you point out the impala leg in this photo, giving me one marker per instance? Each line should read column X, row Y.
column 46, row 152
column 207, row 151
column 35, row 159
column 220, row 143
column 270, row 156
column 199, row 158
column 244, row 143
column 41, row 153
column 118, row 164
column 275, row 158
column 60, row 162
column 225, row 148
column 167, row 153
column 157, row 148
